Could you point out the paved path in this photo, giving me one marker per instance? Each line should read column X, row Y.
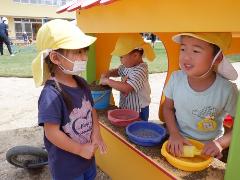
column 18, row 100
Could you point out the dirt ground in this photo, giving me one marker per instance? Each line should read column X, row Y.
column 18, row 126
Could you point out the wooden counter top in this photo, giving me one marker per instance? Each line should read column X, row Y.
column 216, row 169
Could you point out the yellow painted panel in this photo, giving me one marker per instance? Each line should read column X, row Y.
column 235, row 46
column 123, row 163
column 104, row 46
column 162, row 16
column 172, row 50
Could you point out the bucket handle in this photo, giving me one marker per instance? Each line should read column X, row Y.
column 100, row 97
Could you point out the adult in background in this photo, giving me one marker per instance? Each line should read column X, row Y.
column 4, row 36
column 153, row 39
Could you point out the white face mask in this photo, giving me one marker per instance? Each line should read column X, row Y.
column 78, row 66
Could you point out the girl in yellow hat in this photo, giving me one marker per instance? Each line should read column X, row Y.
column 134, row 87
column 198, row 98
column 71, row 129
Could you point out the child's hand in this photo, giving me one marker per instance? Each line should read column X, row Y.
column 104, row 75
column 101, row 145
column 125, row 79
column 213, row 148
column 103, row 80
column 175, row 144
column 87, row 150
column 98, row 142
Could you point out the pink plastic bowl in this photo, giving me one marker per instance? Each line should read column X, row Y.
column 122, row 117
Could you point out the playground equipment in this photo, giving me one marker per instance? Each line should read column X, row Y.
column 164, row 18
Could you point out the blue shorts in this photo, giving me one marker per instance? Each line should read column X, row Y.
column 89, row 174
column 144, row 114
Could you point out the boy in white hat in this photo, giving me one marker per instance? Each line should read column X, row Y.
column 65, row 106
column 134, row 87
column 198, row 98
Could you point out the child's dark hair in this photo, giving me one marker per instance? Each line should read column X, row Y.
column 66, row 97
column 215, row 49
column 140, row 51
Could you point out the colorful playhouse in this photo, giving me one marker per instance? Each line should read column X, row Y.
column 107, row 19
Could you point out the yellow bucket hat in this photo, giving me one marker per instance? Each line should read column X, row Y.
column 220, row 39
column 56, row 34
column 128, row 42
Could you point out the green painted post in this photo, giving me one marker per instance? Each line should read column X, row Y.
column 91, row 65
column 233, row 162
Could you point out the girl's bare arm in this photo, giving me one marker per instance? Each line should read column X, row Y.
column 61, row 140
column 96, row 134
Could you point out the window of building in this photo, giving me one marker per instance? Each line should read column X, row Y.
column 18, row 27
column 30, row 26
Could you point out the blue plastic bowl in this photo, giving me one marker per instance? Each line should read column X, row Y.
column 145, row 133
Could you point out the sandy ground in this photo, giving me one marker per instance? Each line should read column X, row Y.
column 18, row 120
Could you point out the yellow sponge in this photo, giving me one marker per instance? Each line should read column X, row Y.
column 190, row 151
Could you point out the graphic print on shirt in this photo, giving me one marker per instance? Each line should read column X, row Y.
column 80, row 126
column 207, row 122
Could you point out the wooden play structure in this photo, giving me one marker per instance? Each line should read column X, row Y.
column 106, row 19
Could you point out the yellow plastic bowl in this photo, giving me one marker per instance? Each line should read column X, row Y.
column 196, row 163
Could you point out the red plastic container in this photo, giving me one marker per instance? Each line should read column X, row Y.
column 122, row 117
